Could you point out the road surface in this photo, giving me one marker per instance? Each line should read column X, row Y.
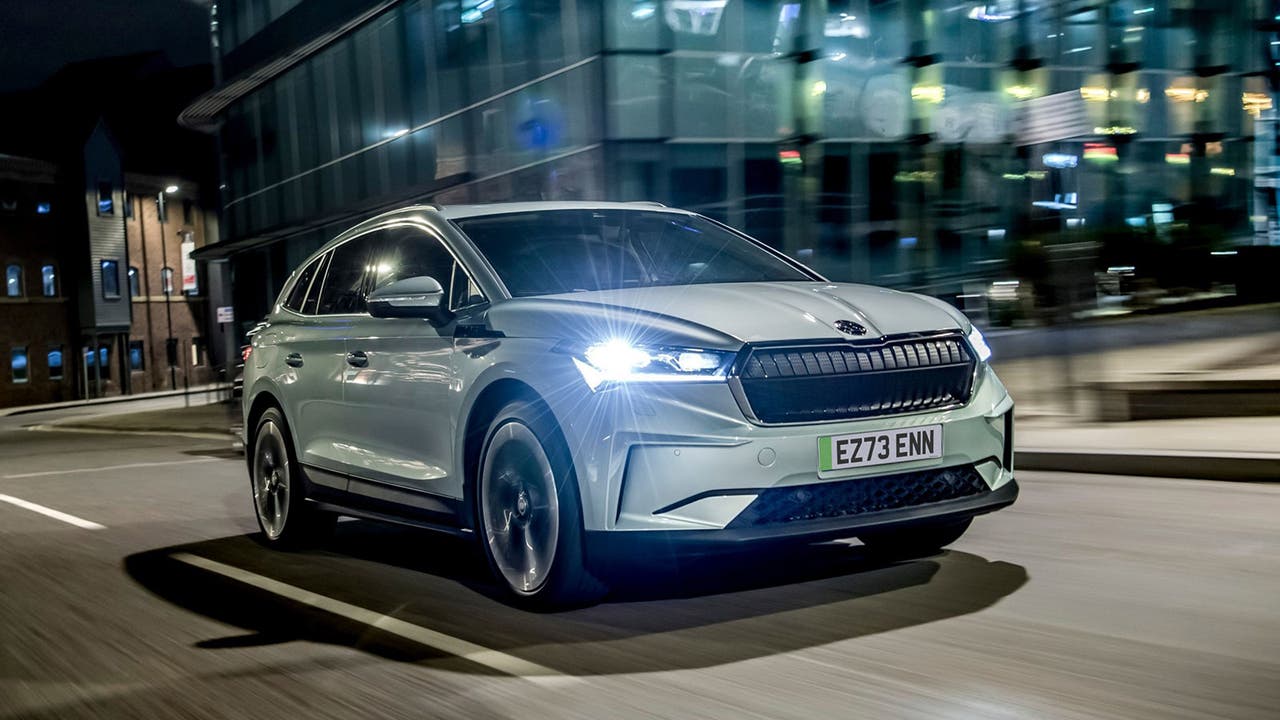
column 132, row 587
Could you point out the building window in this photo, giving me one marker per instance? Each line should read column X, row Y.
column 135, row 289
column 136, row 361
column 110, row 279
column 43, row 208
column 49, row 281
column 100, row 359
column 128, row 205
column 106, row 199
column 18, row 363
column 162, row 213
column 197, row 352
column 55, row 362
column 166, row 280
column 186, row 211
column 13, row 281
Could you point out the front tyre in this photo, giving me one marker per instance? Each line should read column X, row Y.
column 528, row 512
column 913, row 542
column 279, row 493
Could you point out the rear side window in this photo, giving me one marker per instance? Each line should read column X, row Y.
column 313, row 295
column 344, row 283
column 298, row 294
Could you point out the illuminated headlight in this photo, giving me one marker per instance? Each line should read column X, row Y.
column 979, row 344
column 620, row 361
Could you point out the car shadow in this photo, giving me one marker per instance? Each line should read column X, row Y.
column 698, row 613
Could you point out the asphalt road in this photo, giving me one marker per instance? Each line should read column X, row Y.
column 1092, row 597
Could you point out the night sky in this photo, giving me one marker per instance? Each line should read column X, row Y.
column 39, row 36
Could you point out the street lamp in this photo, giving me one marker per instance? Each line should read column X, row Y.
column 171, row 189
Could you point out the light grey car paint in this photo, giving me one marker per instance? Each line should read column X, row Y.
column 396, row 425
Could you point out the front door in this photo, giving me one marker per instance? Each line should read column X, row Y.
column 400, row 386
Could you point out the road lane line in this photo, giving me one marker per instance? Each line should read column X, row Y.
column 129, row 466
column 436, row 640
column 105, row 431
column 50, row 512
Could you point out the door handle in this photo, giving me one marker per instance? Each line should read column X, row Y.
column 293, row 360
column 357, row 359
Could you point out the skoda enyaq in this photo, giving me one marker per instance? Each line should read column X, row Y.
column 565, row 380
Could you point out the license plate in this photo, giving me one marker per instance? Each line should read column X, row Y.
column 882, row 447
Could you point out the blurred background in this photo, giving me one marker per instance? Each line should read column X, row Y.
column 1034, row 162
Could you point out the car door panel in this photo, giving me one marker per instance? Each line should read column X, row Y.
column 404, row 390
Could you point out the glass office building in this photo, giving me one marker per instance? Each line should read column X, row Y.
column 877, row 140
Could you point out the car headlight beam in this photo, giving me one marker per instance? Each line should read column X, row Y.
column 979, row 344
column 619, row 361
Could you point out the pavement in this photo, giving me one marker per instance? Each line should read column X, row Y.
column 133, row 588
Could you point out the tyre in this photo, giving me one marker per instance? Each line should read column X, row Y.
column 917, row 541
column 528, row 512
column 280, row 492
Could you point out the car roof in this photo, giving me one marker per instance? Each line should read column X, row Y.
column 458, row 212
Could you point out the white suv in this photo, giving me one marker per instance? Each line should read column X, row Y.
column 568, row 380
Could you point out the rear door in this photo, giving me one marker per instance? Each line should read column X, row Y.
column 317, row 356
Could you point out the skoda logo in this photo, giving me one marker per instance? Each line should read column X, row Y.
column 849, row 327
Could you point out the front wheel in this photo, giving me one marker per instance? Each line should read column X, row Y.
column 913, row 542
column 528, row 512
column 279, row 493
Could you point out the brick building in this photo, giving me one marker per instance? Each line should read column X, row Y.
column 165, row 303
column 101, row 204
column 36, row 327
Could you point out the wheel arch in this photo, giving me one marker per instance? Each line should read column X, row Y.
column 492, row 398
column 262, row 400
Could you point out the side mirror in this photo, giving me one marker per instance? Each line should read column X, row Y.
column 415, row 297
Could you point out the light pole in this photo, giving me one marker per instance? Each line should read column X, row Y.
column 166, row 285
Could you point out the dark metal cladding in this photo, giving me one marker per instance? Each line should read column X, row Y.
column 861, row 495
column 845, row 380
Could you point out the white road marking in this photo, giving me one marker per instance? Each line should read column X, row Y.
column 495, row 659
column 107, row 431
column 50, row 512
column 104, row 468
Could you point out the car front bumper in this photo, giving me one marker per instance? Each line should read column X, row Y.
column 681, row 461
column 679, row 542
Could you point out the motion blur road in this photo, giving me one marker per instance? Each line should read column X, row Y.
column 1092, row 597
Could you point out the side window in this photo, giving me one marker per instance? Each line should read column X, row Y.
column 298, row 294
column 313, row 295
column 405, row 253
column 344, row 290
column 408, row 252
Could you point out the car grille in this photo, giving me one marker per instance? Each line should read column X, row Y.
column 861, row 495
column 814, row 383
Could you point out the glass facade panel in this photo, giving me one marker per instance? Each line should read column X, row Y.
column 876, row 139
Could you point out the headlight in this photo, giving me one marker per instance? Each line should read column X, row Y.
column 979, row 344
column 620, row 361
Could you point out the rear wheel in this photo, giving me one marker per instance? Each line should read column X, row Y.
column 917, row 541
column 279, row 492
column 528, row 512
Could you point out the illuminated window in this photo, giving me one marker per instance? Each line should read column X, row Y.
column 18, row 364
column 13, row 281
column 55, row 362
column 135, row 288
column 166, row 280
column 49, row 281
column 106, row 199
column 136, row 359
column 110, row 279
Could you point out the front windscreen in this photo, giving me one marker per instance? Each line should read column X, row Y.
column 565, row 251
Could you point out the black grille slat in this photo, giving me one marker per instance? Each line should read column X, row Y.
column 860, row 496
column 850, row 380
